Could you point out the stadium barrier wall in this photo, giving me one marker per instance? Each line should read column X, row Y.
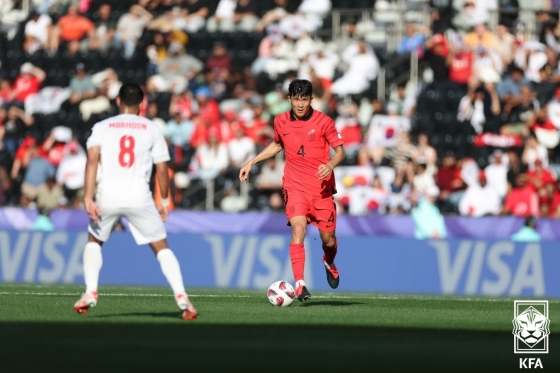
column 12, row 218
column 254, row 261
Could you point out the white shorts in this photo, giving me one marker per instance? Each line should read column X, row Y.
column 145, row 224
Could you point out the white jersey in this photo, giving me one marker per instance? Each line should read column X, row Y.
column 130, row 145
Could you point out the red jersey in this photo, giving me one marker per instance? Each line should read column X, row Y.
column 26, row 85
column 461, row 67
column 307, row 144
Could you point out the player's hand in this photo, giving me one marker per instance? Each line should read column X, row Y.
column 92, row 210
column 324, row 170
column 244, row 172
column 163, row 212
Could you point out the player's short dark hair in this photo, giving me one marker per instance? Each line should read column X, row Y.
column 131, row 94
column 300, row 87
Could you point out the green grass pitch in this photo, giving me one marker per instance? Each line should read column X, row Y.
column 139, row 329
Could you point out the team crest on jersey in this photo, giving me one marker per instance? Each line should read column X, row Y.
column 311, row 135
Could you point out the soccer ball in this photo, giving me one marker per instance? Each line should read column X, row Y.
column 281, row 294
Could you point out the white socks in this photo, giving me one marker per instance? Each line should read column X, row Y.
column 300, row 283
column 171, row 270
column 93, row 261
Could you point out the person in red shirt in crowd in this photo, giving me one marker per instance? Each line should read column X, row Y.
column 202, row 128
column 182, row 104
column 255, row 127
column 540, row 177
column 306, row 136
column 460, row 62
column 450, row 183
column 522, row 200
column 552, row 200
column 73, row 26
column 27, row 82
column 225, row 127
column 207, row 107
column 220, row 58
column 5, row 91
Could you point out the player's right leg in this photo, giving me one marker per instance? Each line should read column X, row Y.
column 93, row 261
column 172, row 272
column 297, row 256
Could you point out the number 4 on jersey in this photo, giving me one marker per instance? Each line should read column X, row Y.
column 126, row 155
column 301, row 151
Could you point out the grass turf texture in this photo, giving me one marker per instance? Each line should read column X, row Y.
column 139, row 329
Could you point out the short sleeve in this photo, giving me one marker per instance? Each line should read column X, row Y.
column 160, row 153
column 331, row 134
column 277, row 138
column 95, row 137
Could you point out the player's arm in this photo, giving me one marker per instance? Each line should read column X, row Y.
column 162, row 175
column 270, row 151
column 326, row 169
column 89, row 185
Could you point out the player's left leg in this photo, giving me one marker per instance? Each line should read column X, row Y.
column 325, row 214
column 146, row 226
column 172, row 272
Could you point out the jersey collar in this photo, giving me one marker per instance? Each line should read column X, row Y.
column 305, row 118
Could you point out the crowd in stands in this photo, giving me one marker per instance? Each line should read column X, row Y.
column 478, row 136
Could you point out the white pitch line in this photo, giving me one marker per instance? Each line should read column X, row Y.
column 374, row 297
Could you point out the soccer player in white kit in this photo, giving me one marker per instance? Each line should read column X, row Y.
column 125, row 147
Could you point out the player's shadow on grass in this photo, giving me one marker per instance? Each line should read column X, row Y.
column 168, row 315
column 330, row 303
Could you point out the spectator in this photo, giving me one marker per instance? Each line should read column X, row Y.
column 496, row 173
column 5, row 92
column 479, row 106
column 49, row 196
column 480, row 36
column 268, row 183
column 223, row 18
column 71, row 172
column 460, row 62
column 423, row 180
column 405, row 104
column 540, row 177
column 179, row 130
column 480, row 199
column 175, row 71
column 273, row 15
column 509, row 89
column 427, row 152
column 197, row 12
column 436, row 55
column 504, row 44
column 43, row 221
column 442, row 13
column 349, row 128
column 39, row 169
column 100, row 37
column 527, row 233
column 450, row 183
column 515, row 168
column 362, row 63
column 521, row 112
column 27, row 82
column 314, row 11
column 82, row 86
column 488, row 66
column 72, row 26
column 545, row 90
column 241, row 149
column 553, row 109
column 533, row 151
column 220, row 58
column 37, row 33
column 211, row 159
column 413, row 40
column 428, row 221
column 14, row 129
column 522, row 200
column 130, row 28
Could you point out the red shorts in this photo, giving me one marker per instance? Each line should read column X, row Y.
column 319, row 211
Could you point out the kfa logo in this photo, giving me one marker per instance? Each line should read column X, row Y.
column 531, row 327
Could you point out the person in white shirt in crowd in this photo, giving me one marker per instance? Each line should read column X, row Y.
column 314, row 12
column 480, row 199
column 37, row 32
column 503, row 44
column 496, row 173
column 477, row 104
column 130, row 28
column 531, row 57
column 533, row 151
column 363, row 67
column 241, row 149
column 473, row 12
column 365, row 199
column 323, row 63
column 487, row 65
column 210, row 159
column 235, row 15
column 71, row 171
column 268, row 183
column 553, row 109
column 423, row 180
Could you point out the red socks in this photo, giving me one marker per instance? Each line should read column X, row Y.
column 330, row 253
column 297, row 255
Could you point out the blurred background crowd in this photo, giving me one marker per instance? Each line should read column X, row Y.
column 444, row 106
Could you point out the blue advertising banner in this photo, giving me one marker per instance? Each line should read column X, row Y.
column 254, row 261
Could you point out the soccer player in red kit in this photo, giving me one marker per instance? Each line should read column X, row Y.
column 306, row 135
